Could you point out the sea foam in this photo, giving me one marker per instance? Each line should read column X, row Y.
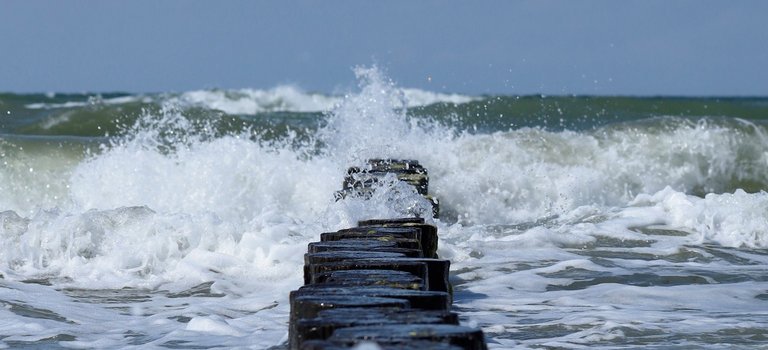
column 174, row 236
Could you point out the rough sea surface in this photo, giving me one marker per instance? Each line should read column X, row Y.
column 179, row 220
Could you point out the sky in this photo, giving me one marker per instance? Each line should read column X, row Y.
column 649, row 47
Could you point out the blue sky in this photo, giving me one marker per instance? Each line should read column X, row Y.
column 497, row 47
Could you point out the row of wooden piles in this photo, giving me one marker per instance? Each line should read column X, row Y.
column 380, row 282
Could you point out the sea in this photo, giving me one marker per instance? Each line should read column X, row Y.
column 178, row 220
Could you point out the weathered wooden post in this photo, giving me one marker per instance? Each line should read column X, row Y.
column 380, row 281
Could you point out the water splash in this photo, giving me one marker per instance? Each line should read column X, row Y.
column 370, row 124
column 171, row 198
column 175, row 236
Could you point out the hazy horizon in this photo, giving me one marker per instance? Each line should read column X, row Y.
column 590, row 48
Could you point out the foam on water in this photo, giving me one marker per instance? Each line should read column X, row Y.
column 95, row 99
column 730, row 219
column 167, row 213
column 417, row 97
column 288, row 98
column 177, row 237
column 284, row 98
column 251, row 101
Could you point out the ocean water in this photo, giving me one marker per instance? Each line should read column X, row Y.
column 179, row 220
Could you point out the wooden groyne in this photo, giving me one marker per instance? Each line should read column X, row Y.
column 380, row 282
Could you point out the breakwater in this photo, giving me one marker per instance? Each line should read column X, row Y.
column 381, row 281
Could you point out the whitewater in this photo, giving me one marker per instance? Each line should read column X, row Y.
column 179, row 220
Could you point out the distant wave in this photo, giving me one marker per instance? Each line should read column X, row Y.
column 284, row 98
column 90, row 100
column 292, row 99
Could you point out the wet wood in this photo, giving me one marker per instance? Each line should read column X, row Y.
column 380, row 281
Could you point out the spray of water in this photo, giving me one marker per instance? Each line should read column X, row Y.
column 181, row 234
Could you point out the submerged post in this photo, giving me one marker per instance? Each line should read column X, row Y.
column 380, row 281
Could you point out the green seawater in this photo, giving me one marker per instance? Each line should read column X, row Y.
column 99, row 115
column 156, row 220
